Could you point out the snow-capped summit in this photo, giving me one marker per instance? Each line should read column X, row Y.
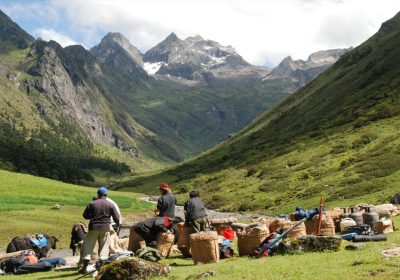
column 197, row 59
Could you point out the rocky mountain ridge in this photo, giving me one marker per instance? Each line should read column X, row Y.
column 111, row 98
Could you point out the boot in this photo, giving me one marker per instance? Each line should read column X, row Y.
column 84, row 267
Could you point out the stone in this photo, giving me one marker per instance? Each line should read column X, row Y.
column 355, row 246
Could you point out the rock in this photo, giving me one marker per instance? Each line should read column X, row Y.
column 132, row 268
column 359, row 262
column 391, row 252
column 208, row 273
column 311, row 243
column 355, row 246
column 56, row 206
column 395, row 199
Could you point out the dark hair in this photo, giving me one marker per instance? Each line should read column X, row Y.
column 194, row 194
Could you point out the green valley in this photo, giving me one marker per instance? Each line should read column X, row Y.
column 336, row 137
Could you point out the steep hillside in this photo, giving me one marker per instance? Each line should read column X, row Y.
column 103, row 104
column 337, row 137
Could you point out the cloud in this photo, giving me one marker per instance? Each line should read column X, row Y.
column 50, row 34
column 263, row 32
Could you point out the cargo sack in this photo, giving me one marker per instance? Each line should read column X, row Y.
column 136, row 242
column 164, row 243
column 183, row 241
column 384, row 226
column 327, row 226
column 204, row 247
column 249, row 240
column 299, row 230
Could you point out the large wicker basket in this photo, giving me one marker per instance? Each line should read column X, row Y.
column 299, row 230
column 136, row 242
column 204, row 247
column 327, row 226
column 249, row 240
column 183, row 241
column 276, row 224
column 164, row 243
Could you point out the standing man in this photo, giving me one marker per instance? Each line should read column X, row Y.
column 166, row 203
column 195, row 213
column 99, row 212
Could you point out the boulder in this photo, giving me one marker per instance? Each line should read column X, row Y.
column 132, row 269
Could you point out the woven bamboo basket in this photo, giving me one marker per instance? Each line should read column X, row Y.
column 327, row 226
column 164, row 243
column 204, row 247
column 298, row 231
column 136, row 242
column 249, row 240
column 183, row 241
column 276, row 224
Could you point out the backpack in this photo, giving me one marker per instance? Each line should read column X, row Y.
column 360, row 230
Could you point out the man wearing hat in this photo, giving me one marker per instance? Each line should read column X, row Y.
column 99, row 212
column 166, row 202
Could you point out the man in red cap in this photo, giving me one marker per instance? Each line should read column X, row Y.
column 166, row 203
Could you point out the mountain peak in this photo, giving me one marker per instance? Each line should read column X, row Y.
column 11, row 35
column 115, row 42
column 172, row 37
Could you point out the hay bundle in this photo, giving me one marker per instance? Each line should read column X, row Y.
column 132, row 268
column 299, row 230
column 204, row 247
column 327, row 226
column 250, row 239
column 276, row 224
column 183, row 241
column 136, row 242
column 164, row 243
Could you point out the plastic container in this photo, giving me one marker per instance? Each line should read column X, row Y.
column 370, row 217
column 356, row 216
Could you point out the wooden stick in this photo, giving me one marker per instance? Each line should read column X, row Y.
column 321, row 203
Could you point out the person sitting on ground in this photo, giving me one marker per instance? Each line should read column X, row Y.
column 99, row 212
column 166, row 203
column 195, row 213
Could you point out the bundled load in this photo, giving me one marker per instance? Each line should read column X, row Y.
column 299, row 230
column 384, row 226
column 164, row 243
column 204, row 247
column 327, row 226
column 276, row 224
column 136, row 242
column 250, row 239
column 183, row 241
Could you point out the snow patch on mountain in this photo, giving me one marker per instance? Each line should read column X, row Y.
column 152, row 68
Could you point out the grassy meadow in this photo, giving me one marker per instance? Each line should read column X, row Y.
column 367, row 263
column 26, row 201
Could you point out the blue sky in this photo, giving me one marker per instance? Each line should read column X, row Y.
column 263, row 32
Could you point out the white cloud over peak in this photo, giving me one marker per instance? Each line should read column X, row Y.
column 50, row 34
column 263, row 32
